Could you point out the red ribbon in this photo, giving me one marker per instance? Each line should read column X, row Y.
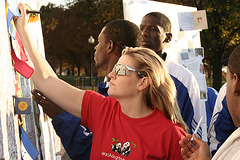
column 23, row 54
column 21, row 66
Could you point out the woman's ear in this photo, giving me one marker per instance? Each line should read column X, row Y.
column 143, row 83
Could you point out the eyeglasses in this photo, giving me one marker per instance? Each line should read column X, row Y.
column 123, row 70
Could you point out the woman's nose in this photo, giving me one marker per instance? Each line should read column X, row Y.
column 112, row 74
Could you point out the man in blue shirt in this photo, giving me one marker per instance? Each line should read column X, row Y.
column 75, row 138
column 155, row 36
column 221, row 125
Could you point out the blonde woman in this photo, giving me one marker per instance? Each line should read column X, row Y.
column 139, row 120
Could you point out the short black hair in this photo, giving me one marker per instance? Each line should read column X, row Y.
column 165, row 23
column 234, row 59
column 124, row 33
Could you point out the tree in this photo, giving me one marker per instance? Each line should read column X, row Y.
column 54, row 47
column 83, row 19
column 108, row 10
column 79, row 22
column 222, row 35
column 223, row 32
column 66, row 31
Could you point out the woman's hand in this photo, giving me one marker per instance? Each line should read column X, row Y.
column 195, row 150
column 21, row 22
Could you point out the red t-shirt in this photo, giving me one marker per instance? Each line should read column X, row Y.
column 119, row 137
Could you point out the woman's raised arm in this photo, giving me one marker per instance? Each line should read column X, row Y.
column 44, row 78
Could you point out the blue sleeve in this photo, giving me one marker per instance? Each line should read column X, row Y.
column 221, row 125
column 184, row 103
column 188, row 96
column 210, row 103
column 102, row 89
column 76, row 139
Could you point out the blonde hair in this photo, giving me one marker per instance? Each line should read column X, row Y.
column 162, row 91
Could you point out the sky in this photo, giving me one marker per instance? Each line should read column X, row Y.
column 57, row 2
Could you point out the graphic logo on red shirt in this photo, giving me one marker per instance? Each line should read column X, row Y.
column 124, row 149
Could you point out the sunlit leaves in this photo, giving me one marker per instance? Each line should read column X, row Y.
column 222, row 34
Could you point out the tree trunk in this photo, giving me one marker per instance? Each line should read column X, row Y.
column 87, row 70
column 217, row 74
column 61, row 61
column 78, row 67
column 73, row 69
column 73, row 63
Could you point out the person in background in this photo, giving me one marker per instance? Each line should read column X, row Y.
column 142, row 95
column 230, row 149
column 111, row 41
column 210, row 103
column 156, row 32
column 114, row 37
column 188, row 92
column 221, row 125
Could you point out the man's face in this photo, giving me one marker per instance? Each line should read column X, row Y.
column 232, row 102
column 100, row 55
column 153, row 34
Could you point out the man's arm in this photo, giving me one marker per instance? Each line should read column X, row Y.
column 210, row 103
column 75, row 138
column 188, row 95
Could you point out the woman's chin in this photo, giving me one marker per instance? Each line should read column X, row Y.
column 110, row 93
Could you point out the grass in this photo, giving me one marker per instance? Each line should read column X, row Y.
column 82, row 82
column 210, row 81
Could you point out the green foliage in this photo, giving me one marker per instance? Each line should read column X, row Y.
column 108, row 10
column 66, row 31
column 222, row 34
column 51, row 22
column 50, row 17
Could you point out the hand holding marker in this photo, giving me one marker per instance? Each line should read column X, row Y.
column 33, row 15
column 34, row 12
column 195, row 132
